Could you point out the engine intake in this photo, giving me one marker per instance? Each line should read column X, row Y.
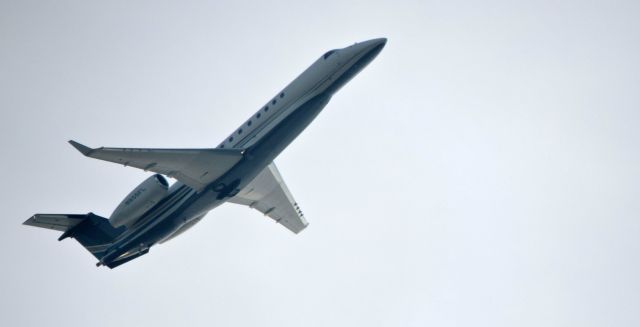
column 139, row 201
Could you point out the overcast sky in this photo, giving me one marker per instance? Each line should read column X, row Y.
column 482, row 171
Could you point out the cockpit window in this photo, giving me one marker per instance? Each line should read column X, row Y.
column 326, row 55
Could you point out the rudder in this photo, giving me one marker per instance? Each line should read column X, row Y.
column 95, row 233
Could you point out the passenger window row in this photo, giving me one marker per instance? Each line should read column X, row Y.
column 258, row 115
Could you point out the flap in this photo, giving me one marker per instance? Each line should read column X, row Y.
column 194, row 167
column 269, row 194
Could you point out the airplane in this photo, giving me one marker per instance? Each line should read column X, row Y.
column 239, row 170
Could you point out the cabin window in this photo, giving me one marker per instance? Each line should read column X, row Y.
column 266, row 108
column 222, row 146
column 282, row 95
column 273, row 102
column 249, row 123
column 231, row 139
column 258, row 115
column 240, row 131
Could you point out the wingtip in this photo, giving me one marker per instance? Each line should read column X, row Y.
column 85, row 150
column 29, row 221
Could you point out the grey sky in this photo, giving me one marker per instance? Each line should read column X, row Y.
column 482, row 171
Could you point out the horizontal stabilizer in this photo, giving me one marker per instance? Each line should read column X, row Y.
column 92, row 231
column 194, row 167
column 59, row 222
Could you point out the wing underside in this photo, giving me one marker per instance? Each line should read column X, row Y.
column 193, row 167
column 269, row 194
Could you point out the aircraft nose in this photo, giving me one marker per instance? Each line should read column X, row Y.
column 378, row 43
column 373, row 46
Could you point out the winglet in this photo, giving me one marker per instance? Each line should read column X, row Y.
column 85, row 150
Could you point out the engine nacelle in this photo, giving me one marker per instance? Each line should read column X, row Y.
column 139, row 201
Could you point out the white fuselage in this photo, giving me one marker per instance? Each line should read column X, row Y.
column 313, row 81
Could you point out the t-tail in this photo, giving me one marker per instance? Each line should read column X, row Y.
column 93, row 232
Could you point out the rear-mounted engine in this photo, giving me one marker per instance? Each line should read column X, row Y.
column 139, row 201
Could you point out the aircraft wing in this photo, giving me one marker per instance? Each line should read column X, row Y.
column 268, row 194
column 193, row 167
